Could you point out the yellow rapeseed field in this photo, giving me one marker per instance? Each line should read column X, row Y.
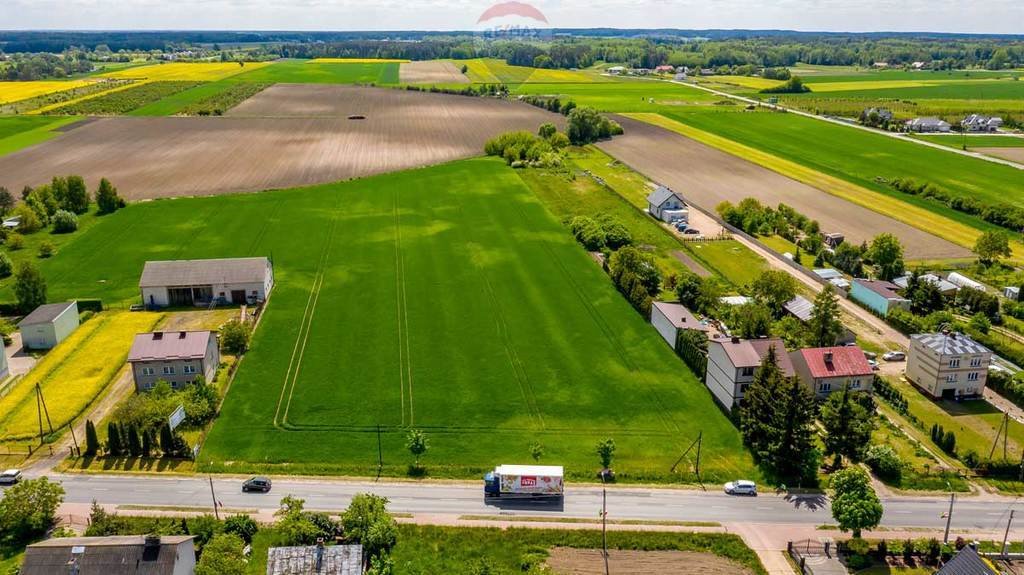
column 185, row 71
column 357, row 61
column 74, row 374
column 17, row 91
column 744, row 81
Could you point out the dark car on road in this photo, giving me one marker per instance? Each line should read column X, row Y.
column 261, row 484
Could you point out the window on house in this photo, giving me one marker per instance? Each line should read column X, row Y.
column 743, row 388
column 747, row 371
column 955, row 362
column 188, row 369
column 975, row 362
column 951, row 378
column 148, row 385
column 168, row 370
column 855, row 384
column 973, row 376
column 148, row 371
column 825, row 387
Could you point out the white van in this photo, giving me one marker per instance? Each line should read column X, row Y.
column 741, row 487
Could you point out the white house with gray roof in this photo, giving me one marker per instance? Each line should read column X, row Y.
column 979, row 123
column 926, row 125
column 670, row 319
column 667, row 206
column 48, row 325
column 948, row 364
column 228, row 281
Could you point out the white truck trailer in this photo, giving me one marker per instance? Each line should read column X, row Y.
column 525, row 481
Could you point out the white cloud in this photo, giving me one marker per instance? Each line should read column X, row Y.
column 992, row 16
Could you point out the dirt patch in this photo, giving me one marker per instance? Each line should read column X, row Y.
column 1012, row 154
column 691, row 264
column 312, row 143
column 567, row 561
column 431, row 72
column 73, row 125
column 706, row 177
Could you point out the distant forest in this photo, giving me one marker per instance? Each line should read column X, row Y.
column 568, row 48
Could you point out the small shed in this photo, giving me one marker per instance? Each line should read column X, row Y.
column 670, row 319
column 320, row 559
column 48, row 325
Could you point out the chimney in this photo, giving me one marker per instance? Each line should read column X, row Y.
column 158, row 336
column 319, row 554
column 735, row 339
column 181, row 335
column 828, row 357
column 151, row 547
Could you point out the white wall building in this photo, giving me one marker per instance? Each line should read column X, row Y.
column 234, row 281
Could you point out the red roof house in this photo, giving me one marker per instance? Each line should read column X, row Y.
column 827, row 369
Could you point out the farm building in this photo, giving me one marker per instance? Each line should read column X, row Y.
column 664, row 69
column 828, row 369
column 114, row 555
column 319, row 559
column 832, row 240
column 1012, row 293
column 177, row 357
column 234, row 281
column 926, row 125
column 945, row 288
column 670, row 319
column 48, row 325
column 667, row 206
column 948, row 364
column 616, row 70
column 878, row 295
column 962, row 281
column 979, row 123
column 734, row 300
column 732, row 362
column 827, row 273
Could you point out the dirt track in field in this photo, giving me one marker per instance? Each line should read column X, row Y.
column 565, row 561
column 1012, row 154
column 431, row 72
column 706, row 177
column 311, row 142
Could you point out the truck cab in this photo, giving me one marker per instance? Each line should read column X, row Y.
column 492, row 485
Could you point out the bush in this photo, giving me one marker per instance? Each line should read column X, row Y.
column 15, row 241
column 90, row 305
column 588, row 233
column 30, row 221
column 64, row 222
column 6, row 267
column 46, row 249
column 857, row 562
column 885, row 462
column 234, row 337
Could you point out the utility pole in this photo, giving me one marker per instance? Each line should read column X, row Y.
column 949, row 517
column 604, row 519
column 1007, row 534
column 216, row 512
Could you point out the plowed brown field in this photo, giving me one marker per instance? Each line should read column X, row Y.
column 431, row 72
column 309, row 140
column 707, row 176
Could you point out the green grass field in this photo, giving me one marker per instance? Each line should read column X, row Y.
column 976, row 141
column 860, row 157
column 227, row 92
column 17, row 132
column 125, row 101
column 309, row 72
column 625, row 95
column 457, row 304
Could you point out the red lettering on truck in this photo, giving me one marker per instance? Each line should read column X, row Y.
column 527, row 481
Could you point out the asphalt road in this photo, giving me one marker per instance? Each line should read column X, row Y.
column 467, row 499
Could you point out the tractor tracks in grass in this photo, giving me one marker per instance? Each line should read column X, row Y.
column 302, row 338
column 404, row 347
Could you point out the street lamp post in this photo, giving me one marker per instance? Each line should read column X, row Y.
column 949, row 515
column 604, row 519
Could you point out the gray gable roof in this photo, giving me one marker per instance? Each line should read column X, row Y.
column 118, row 555
column 966, row 562
column 46, row 313
column 201, row 272
column 950, row 344
column 661, row 195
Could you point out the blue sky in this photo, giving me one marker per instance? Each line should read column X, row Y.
column 987, row 16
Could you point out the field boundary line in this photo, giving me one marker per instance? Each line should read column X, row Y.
column 401, row 300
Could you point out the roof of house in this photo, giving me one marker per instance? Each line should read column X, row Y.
column 888, row 290
column 169, row 345
column 197, row 272
column 46, row 313
column 117, row 555
column 827, row 273
column 943, row 285
column 927, row 121
column 800, row 307
column 967, row 562
column 845, row 361
column 951, row 343
column 751, row 352
column 661, row 195
column 334, row 560
column 679, row 316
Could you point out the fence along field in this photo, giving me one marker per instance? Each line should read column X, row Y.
column 162, row 157
column 449, row 299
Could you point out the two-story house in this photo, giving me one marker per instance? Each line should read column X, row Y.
column 827, row 369
column 732, row 363
column 177, row 357
column 948, row 364
column 667, row 206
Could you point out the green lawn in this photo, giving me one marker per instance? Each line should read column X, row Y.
column 309, row 72
column 974, row 141
column 182, row 102
column 860, row 157
column 491, row 330
column 17, row 132
column 429, row 549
